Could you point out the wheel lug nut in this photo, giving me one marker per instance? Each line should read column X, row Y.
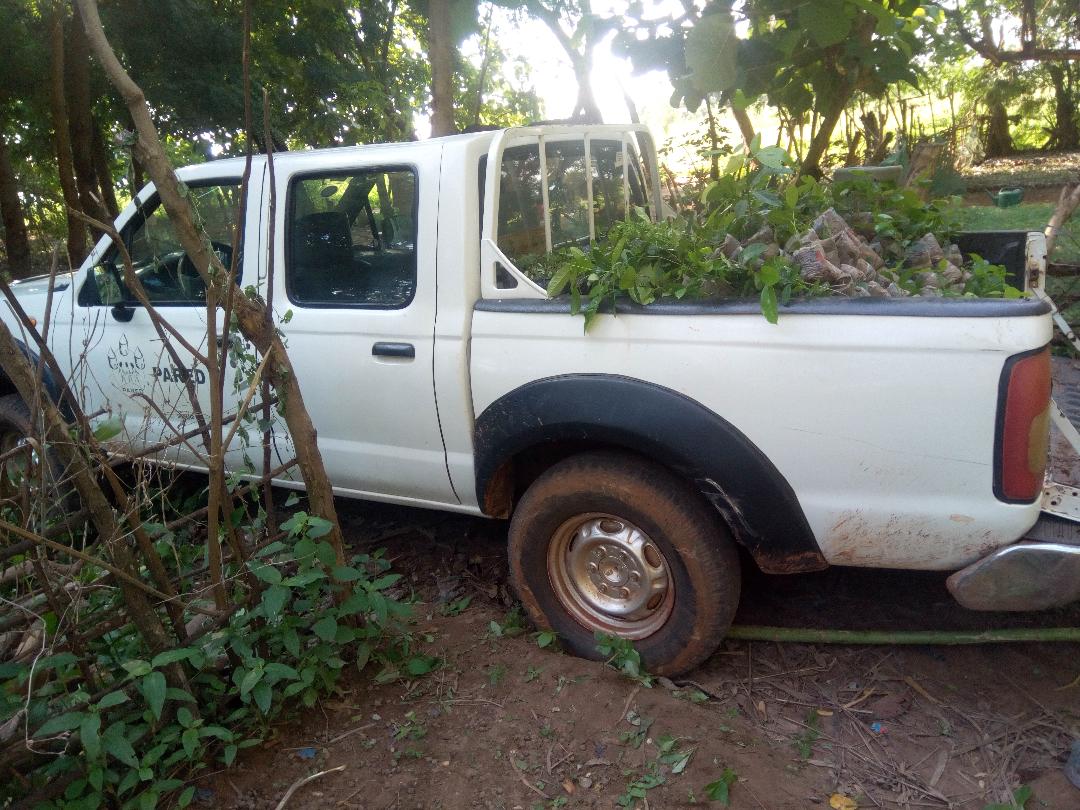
column 591, row 566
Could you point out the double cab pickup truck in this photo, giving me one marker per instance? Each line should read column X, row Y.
column 633, row 461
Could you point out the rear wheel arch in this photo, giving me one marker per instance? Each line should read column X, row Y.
column 529, row 429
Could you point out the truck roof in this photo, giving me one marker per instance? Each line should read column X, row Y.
column 229, row 167
column 235, row 165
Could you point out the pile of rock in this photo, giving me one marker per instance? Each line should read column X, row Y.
column 832, row 252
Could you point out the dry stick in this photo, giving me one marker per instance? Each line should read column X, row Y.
column 267, row 435
column 1066, row 206
column 172, row 428
column 127, row 455
column 224, row 343
column 299, row 783
column 116, row 571
column 172, row 525
column 18, row 369
column 89, row 490
column 527, row 783
column 250, row 314
column 241, row 412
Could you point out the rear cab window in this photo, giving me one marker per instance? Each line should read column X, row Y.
column 561, row 192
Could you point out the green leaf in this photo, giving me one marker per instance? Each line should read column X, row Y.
column 325, row 628
column 184, row 799
column 291, row 641
column 774, row 158
column 190, row 741
column 89, row 733
column 117, row 745
column 108, row 429
column 559, row 280
column 720, row 790
column 229, row 754
column 68, row 721
column 274, row 599
column 153, row 688
column 263, row 695
column 710, row 53
column 112, row 699
column 252, row 677
column 545, row 638
column 184, row 715
column 267, row 573
column 769, row 304
column 828, row 22
column 318, row 527
column 277, row 672
column 422, row 664
column 136, row 668
column 325, row 554
column 172, row 656
column 346, row 573
column 751, row 252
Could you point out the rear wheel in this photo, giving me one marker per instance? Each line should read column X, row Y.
column 608, row 542
column 19, row 469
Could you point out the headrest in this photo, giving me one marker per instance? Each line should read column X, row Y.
column 322, row 238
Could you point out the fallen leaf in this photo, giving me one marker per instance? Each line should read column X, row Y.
column 568, row 786
column 838, row 801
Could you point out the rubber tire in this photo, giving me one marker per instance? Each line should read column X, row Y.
column 700, row 552
column 15, row 416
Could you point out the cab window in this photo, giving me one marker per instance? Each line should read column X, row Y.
column 159, row 261
column 351, row 239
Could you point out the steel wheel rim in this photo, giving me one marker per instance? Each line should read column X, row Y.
column 610, row 576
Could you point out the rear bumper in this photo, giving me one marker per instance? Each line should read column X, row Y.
column 1040, row 572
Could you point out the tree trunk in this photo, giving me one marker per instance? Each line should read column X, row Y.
column 1065, row 134
column 16, row 240
column 998, row 139
column 251, row 315
column 102, row 159
column 819, row 144
column 746, row 126
column 441, row 53
column 714, row 142
column 81, row 124
column 76, row 233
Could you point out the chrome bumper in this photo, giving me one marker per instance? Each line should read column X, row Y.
column 1030, row 575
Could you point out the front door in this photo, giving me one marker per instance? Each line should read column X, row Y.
column 127, row 369
column 357, row 247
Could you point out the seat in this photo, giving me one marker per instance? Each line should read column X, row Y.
column 321, row 255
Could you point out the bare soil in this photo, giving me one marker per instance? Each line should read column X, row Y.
column 505, row 724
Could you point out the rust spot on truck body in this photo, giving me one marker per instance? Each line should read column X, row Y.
column 856, row 539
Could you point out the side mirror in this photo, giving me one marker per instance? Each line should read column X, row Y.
column 123, row 312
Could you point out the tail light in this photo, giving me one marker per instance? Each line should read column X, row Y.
column 1023, row 427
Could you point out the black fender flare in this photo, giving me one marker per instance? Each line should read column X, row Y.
column 657, row 422
column 48, row 381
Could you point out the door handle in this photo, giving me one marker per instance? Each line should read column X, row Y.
column 385, row 349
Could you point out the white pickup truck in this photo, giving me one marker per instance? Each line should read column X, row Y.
column 633, row 461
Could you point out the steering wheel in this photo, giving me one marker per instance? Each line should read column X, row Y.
column 186, row 274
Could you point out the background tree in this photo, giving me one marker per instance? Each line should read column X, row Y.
column 802, row 58
column 578, row 30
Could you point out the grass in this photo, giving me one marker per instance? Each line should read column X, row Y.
column 1026, row 217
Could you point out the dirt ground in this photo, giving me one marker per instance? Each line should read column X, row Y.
column 506, row 724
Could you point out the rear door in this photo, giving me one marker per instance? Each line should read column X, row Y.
column 355, row 252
